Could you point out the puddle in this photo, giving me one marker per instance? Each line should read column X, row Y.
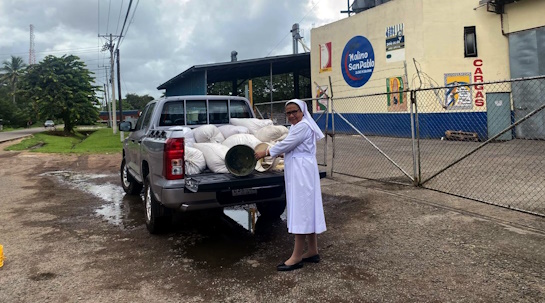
column 118, row 209
column 212, row 239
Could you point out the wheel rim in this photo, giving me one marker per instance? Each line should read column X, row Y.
column 126, row 182
column 148, row 203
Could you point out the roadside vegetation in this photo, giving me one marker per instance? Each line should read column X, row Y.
column 98, row 141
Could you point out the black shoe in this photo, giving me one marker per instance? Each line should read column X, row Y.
column 313, row 259
column 284, row 267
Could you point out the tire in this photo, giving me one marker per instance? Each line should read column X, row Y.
column 272, row 209
column 157, row 216
column 129, row 184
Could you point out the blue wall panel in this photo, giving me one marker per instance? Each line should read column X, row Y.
column 432, row 125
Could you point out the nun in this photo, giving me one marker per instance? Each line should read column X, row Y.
column 305, row 212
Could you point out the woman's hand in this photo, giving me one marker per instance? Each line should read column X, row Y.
column 260, row 154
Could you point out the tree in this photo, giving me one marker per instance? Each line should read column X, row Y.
column 12, row 71
column 61, row 88
column 136, row 101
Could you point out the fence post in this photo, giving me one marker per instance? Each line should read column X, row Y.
column 332, row 128
column 415, row 134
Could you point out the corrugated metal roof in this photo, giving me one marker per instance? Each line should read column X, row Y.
column 247, row 69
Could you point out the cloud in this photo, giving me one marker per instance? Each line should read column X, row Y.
column 164, row 38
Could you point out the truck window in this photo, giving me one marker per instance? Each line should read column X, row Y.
column 240, row 109
column 217, row 112
column 141, row 119
column 195, row 112
column 147, row 116
column 172, row 114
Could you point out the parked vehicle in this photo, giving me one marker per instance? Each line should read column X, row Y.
column 153, row 162
column 49, row 123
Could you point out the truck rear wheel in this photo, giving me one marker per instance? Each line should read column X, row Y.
column 157, row 216
column 129, row 184
column 272, row 209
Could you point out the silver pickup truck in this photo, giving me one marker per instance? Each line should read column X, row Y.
column 153, row 162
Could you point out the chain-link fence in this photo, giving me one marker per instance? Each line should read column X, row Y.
column 493, row 154
column 481, row 141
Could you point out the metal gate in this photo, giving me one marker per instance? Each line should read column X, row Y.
column 449, row 147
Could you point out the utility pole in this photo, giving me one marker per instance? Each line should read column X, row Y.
column 121, row 135
column 110, row 46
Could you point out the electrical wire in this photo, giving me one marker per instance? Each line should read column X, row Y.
column 119, row 17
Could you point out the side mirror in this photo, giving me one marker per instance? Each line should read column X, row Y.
column 125, row 126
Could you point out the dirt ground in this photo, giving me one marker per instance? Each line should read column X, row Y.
column 70, row 235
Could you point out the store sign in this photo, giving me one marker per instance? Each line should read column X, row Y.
column 395, row 43
column 358, row 61
column 478, row 78
column 325, row 57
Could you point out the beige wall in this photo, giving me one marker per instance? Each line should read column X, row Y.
column 434, row 37
column 525, row 14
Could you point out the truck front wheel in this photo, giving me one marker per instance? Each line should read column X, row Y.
column 157, row 216
column 129, row 184
column 272, row 209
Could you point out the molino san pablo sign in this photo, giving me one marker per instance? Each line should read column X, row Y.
column 358, row 61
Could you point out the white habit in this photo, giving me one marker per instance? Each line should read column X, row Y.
column 303, row 193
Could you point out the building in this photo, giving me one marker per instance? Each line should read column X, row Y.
column 411, row 44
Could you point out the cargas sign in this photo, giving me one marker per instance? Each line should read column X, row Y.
column 358, row 61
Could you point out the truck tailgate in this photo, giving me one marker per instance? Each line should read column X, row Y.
column 211, row 182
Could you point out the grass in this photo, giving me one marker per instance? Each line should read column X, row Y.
column 100, row 141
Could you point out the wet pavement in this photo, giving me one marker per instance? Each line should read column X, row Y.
column 70, row 234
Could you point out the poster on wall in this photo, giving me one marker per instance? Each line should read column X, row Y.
column 357, row 61
column 397, row 97
column 321, row 98
column 395, row 43
column 458, row 92
column 325, row 57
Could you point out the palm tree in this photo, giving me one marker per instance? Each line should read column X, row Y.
column 12, row 70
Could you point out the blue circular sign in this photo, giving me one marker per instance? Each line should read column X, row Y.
column 358, row 61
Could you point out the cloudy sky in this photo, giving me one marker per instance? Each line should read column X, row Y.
column 163, row 37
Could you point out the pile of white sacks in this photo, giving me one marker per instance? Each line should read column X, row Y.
column 207, row 145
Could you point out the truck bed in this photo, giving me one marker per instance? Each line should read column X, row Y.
column 211, row 182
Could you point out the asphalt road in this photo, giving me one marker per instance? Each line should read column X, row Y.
column 20, row 133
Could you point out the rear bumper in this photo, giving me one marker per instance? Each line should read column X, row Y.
column 178, row 199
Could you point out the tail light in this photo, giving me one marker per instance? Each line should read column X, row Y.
column 173, row 157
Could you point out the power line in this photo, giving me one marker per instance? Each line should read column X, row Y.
column 119, row 17
column 130, row 22
column 108, row 21
column 124, row 22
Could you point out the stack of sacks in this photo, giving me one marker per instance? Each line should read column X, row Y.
column 214, row 155
column 229, row 130
column 244, row 139
column 194, row 161
column 252, row 124
column 272, row 133
column 208, row 134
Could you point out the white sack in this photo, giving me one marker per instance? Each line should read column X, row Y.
column 208, row 134
column 214, row 154
column 271, row 133
column 245, row 139
column 194, row 161
column 252, row 124
column 229, row 130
